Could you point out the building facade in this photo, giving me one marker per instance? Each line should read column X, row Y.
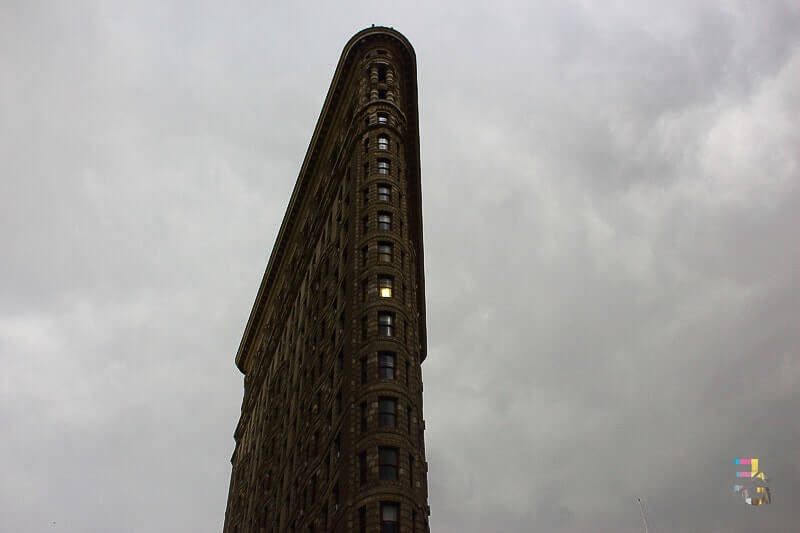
column 331, row 433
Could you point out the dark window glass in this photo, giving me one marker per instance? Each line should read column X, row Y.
column 362, row 467
column 387, row 458
column 381, row 93
column 389, row 517
column 384, row 193
column 387, row 412
column 386, row 365
column 365, row 224
column 384, row 221
column 382, row 73
column 411, row 470
column 363, row 417
column 386, row 324
column 364, row 328
column 385, row 252
column 364, row 290
column 364, row 370
column 362, row 519
column 364, row 255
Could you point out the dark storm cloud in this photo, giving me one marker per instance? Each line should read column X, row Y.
column 610, row 200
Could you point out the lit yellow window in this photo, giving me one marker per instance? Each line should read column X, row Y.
column 385, row 287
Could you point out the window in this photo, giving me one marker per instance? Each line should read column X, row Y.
column 366, row 195
column 389, row 512
column 336, row 497
column 366, row 144
column 408, row 372
column 387, row 416
column 386, row 365
column 411, row 470
column 385, row 324
column 408, row 420
column 384, row 252
column 364, row 290
column 362, row 467
column 384, row 221
column 383, row 118
column 382, row 94
column 384, row 192
column 413, row 522
column 363, row 370
column 363, row 417
column 383, row 166
column 365, row 224
column 366, row 169
column 364, row 328
column 387, row 458
column 364, row 255
column 382, row 73
column 383, row 142
column 362, row 519
column 385, row 286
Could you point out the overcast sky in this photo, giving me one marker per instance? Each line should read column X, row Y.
column 611, row 196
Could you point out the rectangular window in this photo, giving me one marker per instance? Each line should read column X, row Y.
column 387, row 417
column 385, row 324
column 365, row 224
column 366, row 169
column 385, row 286
column 413, row 522
column 364, row 290
column 408, row 420
column 385, row 252
column 384, row 221
column 364, row 255
column 363, row 417
column 408, row 372
column 383, row 166
column 387, row 458
column 383, row 118
column 363, row 370
column 411, row 470
column 383, row 142
column 362, row 519
column 366, row 195
column 384, row 192
column 362, row 467
column 364, row 329
column 386, row 367
column 389, row 514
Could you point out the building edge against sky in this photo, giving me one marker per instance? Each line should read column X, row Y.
column 331, row 433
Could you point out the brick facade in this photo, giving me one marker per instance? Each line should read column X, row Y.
column 331, row 433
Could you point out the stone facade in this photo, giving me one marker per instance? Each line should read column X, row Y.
column 331, row 433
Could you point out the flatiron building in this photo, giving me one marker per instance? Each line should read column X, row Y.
column 331, row 433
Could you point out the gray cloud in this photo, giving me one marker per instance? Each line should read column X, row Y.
column 610, row 200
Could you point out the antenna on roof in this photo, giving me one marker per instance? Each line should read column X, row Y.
column 641, row 508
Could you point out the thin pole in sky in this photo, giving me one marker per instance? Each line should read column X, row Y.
column 641, row 508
